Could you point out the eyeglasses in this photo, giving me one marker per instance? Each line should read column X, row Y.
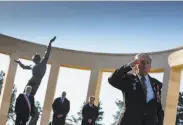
column 145, row 62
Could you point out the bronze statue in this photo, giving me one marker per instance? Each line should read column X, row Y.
column 38, row 71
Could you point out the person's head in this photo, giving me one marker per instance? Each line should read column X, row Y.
column 28, row 89
column 91, row 99
column 63, row 94
column 143, row 65
column 36, row 58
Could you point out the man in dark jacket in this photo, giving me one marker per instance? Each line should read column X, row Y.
column 160, row 111
column 24, row 107
column 140, row 91
column 160, row 114
column 89, row 112
column 61, row 107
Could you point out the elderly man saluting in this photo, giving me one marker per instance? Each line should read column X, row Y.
column 140, row 91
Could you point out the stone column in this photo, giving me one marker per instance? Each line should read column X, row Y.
column 7, row 90
column 170, row 94
column 94, row 84
column 50, row 92
column 165, row 86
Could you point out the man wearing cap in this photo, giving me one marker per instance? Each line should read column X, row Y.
column 140, row 91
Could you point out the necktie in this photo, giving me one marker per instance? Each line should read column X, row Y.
column 144, row 85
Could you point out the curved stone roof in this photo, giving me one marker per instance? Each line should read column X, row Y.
column 87, row 60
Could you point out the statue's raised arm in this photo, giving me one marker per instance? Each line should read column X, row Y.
column 47, row 53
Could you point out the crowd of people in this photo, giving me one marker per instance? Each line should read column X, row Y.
column 141, row 92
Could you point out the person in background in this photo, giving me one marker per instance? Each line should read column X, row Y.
column 61, row 107
column 89, row 112
column 24, row 107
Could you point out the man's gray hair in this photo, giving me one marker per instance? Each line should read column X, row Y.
column 145, row 55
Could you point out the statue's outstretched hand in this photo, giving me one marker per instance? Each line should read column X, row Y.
column 17, row 61
column 52, row 40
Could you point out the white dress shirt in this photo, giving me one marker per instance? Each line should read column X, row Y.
column 150, row 93
column 90, row 105
column 62, row 100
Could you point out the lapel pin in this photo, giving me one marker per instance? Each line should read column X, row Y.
column 134, row 86
column 153, row 84
column 136, row 80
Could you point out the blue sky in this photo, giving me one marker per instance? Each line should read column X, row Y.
column 114, row 27
column 96, row 26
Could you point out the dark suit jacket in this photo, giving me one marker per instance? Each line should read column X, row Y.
column 21, row 106
column 61, row 108
column 134, row 95
column 89, row 113
column 160, row 111
column 160, row 114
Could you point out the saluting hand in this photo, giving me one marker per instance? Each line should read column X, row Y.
column 132, row 64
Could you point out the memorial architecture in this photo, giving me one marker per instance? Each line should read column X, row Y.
column 170, row 62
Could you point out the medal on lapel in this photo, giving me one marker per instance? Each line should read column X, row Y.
column 153, row 86
column 155, row 89
column 136, row 80
column 134, row 86
column 158, row 94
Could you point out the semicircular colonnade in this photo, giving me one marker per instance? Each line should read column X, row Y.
column 170, row 62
